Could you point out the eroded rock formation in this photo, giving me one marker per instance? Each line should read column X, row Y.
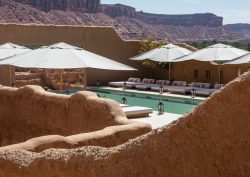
column 211, row 141
column 205, row 19
column 129, row 23
column 64, row 5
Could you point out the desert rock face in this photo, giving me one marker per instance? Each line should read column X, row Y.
column 209, row 20
column 119, row 10
column 211, row 141
column 64, row 5
column 129, row 23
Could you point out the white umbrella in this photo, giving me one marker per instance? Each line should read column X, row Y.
column 215, row 53
column 64, row 56
column 166, row 53
column 8, row 50
column 245, row 59
column 240, row 60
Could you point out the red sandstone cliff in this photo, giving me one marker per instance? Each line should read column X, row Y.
column 72, row 5
column 128, row 23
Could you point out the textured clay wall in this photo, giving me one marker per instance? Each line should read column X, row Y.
column 101, row 40
column 31, row 112
column 185, row 71
column 5, row 77
column 211, row 141
column 104, row 41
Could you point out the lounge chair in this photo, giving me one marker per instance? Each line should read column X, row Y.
column 179, row 87
column 146, row 84
column 207, row 91
column 130, row 81
column 188, row 90
column 159, row 83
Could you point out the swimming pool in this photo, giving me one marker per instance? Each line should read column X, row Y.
column 171, row 104
column 175, row 105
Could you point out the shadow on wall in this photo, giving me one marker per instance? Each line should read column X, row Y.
column 31, row 112
column 211, row 141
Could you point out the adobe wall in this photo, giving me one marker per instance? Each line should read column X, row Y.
column 104, row 41
column 211, row 141
column 101, row 40
column 185, row 71
column 30, row 112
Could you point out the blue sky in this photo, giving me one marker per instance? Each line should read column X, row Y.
column 233, row 11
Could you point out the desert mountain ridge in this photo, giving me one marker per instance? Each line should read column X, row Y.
column 129, row 23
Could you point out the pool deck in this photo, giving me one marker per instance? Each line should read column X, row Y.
column 157, row 121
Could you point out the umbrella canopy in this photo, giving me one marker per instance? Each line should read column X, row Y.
column 64, row 56
column 9, row 50
column 241, row 60
column 166, row 53
column 216, row 53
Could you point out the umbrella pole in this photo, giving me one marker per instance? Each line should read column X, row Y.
column 239, row 71
column 10, row 72
column 169, row 71
column 61, row 80
column 85, row 79
column 219, row 74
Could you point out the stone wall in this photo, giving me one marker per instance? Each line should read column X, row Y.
column 211, row 141
column 31, row 112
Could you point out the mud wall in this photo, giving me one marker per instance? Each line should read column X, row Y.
column 105, row 41
column 211, row 141
column 31, row 112
column 101, row 40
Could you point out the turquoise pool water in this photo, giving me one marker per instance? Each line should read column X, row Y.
column 171, row 104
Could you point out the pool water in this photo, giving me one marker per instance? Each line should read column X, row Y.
column 171, row 105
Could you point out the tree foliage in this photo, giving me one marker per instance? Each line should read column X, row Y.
column 204, row 44
column 148, row 45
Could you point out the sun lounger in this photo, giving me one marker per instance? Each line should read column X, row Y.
column 197, row 86
column 137, row 111
column 176, row 85
column 180, row 90
column 146, row 84
column 208, row 92
column 159, row 83
column 205, row 92
column 130, row 82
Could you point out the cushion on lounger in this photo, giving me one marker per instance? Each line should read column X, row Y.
column 163, row 82
column 218, row 86
column 194, row 84
column 131, row 79
column 148, row 81
column 136, row 80
column 180, row 83
column 206, row 85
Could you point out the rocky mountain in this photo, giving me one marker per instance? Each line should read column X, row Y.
column 72, row 5
column 241, row 29
column 129, row 23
